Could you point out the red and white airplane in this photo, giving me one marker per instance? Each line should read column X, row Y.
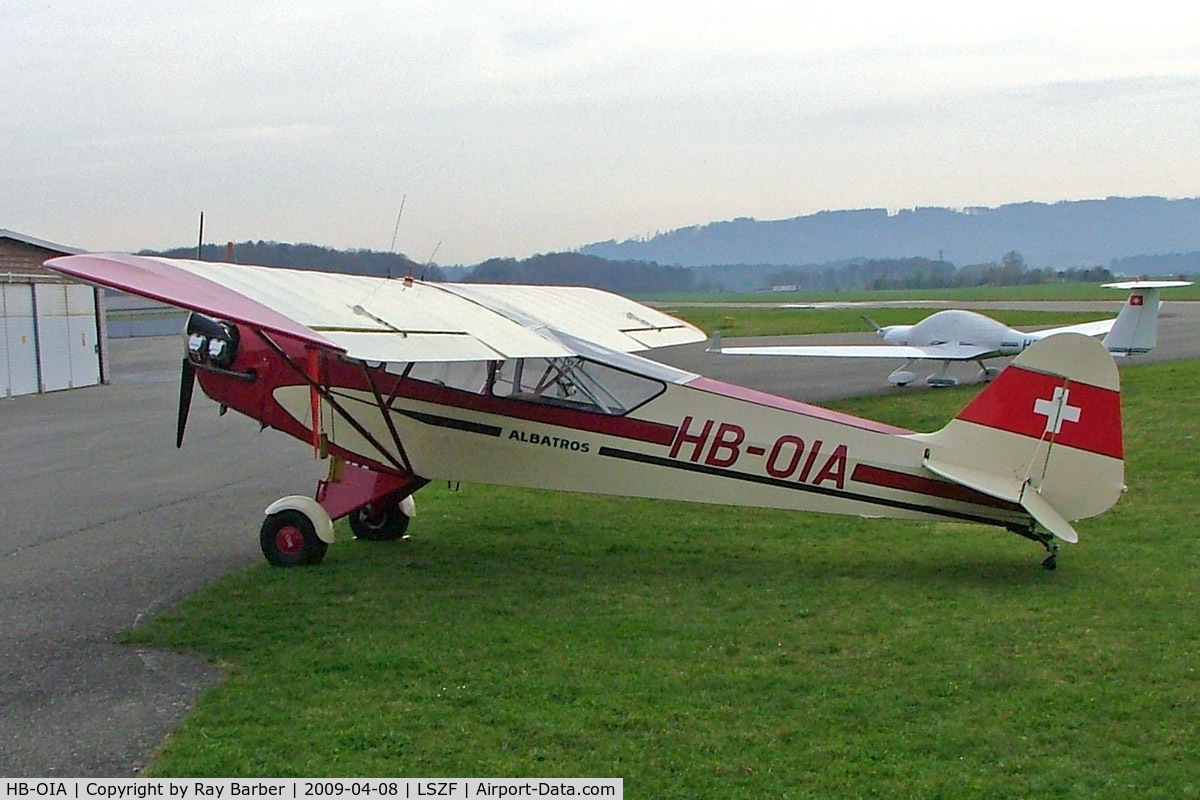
column 401, row 382
column 956, row 335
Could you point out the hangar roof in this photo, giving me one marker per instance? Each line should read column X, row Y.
column 5, row 233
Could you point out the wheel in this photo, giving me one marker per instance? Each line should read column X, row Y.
column 1050, row 561
column 289, row 539
column 379, row 523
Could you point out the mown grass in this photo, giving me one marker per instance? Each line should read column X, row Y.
column 1045, row 291
column 702, row 651
column 751, row 321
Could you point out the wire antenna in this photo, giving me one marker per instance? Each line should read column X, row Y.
column 396, row 230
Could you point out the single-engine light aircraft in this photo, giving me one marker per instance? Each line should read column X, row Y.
column 400, row 382
column 956, row 335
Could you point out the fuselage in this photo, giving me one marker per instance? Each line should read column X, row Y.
column 958, row 327
column 617, row 424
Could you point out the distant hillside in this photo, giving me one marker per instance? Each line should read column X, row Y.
column 573, row 269
column 311, row 257
column 1057, row 235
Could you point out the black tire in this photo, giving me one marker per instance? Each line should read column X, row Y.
column 288, row 539
column 379, row 523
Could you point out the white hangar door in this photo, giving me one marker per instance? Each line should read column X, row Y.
column 20, row 372
column 66, row 336
column 81, row 327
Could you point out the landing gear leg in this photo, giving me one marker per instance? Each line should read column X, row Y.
column 986, row 373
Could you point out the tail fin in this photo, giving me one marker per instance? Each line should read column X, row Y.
column 1045, row 434
column 1135, row 329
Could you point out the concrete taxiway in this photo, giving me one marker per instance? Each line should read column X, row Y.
column 103, row 523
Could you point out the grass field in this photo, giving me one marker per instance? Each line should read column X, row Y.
column 700, row 651
column 794, row 321
column 1046, row 291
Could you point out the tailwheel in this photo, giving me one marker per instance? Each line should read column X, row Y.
column 289, row 539
column 1046, row 540
column 382, row 522
column 1051, row 560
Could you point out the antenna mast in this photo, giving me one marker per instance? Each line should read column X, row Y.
column 397, row 228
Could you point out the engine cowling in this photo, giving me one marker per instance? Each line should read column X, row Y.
column 211, row 342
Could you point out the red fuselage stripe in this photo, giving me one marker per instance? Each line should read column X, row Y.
column 622, row 427
column 891, row 479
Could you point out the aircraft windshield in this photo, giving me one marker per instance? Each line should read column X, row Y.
column 574, row 383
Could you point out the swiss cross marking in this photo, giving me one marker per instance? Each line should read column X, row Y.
column 1135, row 299
column 1056, row 411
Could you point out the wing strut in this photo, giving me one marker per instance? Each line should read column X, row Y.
column 387, row 417
column 328, row 397
column 314, row 397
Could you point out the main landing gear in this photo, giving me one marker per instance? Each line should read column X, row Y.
column 298, row 530
column 377, row 522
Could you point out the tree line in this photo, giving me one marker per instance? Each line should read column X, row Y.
column 641, row 278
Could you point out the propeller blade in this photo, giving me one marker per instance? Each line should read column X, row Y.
column 872, row 323
column 187, row 381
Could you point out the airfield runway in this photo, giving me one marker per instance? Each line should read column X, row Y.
column 104, row 523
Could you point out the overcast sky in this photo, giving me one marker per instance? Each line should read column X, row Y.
column 518, row 128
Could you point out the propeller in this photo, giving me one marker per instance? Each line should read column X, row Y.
column 872, row 323
column 187, row 381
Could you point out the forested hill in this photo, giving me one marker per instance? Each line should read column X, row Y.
column 1059, row 235
column 311, row 257
column 573, row 269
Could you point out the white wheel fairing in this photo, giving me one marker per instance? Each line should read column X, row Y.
column 309, row 508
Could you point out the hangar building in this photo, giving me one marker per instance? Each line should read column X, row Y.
column 51, row 330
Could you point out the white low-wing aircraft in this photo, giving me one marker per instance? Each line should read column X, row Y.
column 957, row 335
column 401, row 382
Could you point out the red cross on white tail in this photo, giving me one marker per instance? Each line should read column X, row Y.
column 1056, row 410
column 1039, row 405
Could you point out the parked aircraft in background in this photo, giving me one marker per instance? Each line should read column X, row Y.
column 955, row 335
column 402, row 382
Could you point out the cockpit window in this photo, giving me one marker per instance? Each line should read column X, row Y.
column 574, row 383
column 469, row 376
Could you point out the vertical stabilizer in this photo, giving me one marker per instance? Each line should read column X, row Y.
column 1135, row 329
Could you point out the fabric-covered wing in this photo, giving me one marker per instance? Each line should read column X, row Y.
column 163, row 280
column 603, row 318
column 945, row 352
column 1097, row 328
column 381, row 319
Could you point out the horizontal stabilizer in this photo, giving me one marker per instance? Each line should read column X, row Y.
column 1002, row 488
column 1046, row 515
